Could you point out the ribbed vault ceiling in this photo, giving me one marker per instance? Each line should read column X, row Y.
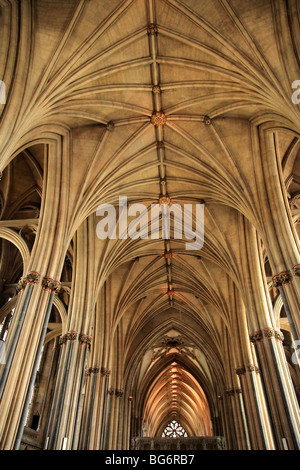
column 159, row 95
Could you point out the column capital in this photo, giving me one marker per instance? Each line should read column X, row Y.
column 267, row 332
column 271, row 333
column 21, row 285
column 256, row 336
column 252, row 368
column 282, row 278
column 85, row 339
column 241, row 370
column 31, row 278
column 296, row 270
column 69, row 336
column 92, row 370
column 51, row 285
column 119, row 393
column 105, row 372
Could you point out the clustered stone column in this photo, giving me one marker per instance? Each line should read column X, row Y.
column 64, row 424
column 280, row 393
column 20, row 361
column 258, row 428
column 282, row 281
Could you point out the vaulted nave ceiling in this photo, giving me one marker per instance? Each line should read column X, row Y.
column 158, row 98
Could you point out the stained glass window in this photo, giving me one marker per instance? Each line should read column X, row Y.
column 174, row 430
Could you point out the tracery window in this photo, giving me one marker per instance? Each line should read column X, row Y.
column 174, row 429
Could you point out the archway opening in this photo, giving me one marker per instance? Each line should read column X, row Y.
column 176, row 401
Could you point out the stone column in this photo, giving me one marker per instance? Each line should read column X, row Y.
column 105, row 373
column 85, row 341
column 93, row 374
column 66, row 343
column 110, row 410
column 24, row 350
column 284, row 408
column 24, row 288
column 127, row 424
column 52, row 287
column 119, row 417
column 278, row 233
column 278, row 387
column 255, row 409
column 285, row 282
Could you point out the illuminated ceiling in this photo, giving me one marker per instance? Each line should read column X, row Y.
column 159, row 95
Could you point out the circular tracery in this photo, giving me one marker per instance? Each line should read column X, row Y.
column 174, row 430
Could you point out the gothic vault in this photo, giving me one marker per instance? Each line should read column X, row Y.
column 167, row 103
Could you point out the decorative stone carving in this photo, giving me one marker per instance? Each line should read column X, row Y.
column 168, row 254
column 207, row 120
column 271, row 333
column 240, row 370
column 51, row 285
column 119, row 393
column 172, row 345
column 110, row 126
column 252, row 368
column 85, row 339
column 156, row 89
column 282, row 278
column 31, row 278
column 296, row 270
column 21, row 285
column 69, row 336
column 279, row 336
column 105, row 372
column 267, row 332
column 256, row 336
column 92, row 370
column 158, row 118
column 179, row 444
column 111, row 391
column 164, row 199
column 152, row 29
